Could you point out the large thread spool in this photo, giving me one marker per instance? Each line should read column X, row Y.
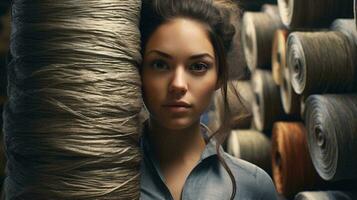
column 258, row 29
column 326, row 195
column 317, row 13
column 320, row 62
column 267, row 106
column 240, row 97
column 331, row 121
column 71, row 123
column 292, row 167
column 252, row 146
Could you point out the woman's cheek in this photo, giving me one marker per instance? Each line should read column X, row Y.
column 204, row 93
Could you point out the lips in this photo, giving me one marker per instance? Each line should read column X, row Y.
column 178, row 104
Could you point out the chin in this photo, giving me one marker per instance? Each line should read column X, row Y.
column 178, row 124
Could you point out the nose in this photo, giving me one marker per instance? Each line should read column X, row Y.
column 178, row 84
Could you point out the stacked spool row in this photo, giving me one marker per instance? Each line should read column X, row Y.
column 302, row 94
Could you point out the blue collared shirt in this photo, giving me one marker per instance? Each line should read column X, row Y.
column 208, row 180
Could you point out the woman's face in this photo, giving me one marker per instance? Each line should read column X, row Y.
column 179, row 73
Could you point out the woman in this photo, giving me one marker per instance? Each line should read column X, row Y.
column 184, row 43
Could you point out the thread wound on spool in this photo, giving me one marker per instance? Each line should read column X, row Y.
column 267, row 106
column 293, row 170
column 257, row 37
column 309, row 14
column 320, row 62
column 71, row 122
column 331, row 135
column 252, row 146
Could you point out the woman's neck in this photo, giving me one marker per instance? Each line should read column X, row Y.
column 171, row 146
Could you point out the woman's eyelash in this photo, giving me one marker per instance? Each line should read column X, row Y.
column 201, row 65
column 159, row 64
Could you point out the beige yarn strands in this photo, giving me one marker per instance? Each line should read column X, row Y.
column 71, row 123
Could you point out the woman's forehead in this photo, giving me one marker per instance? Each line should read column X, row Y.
column 180, row 36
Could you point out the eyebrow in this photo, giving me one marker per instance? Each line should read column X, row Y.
column 191, row 57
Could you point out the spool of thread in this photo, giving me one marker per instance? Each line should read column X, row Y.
column 279, row 54
column 267, row 106
column 258, row 29
column 320, row 62
column 71, row 122
column 326, row 195
column 240, row 97
column 331, row 121
column 313, row 14
column 292, row 167
column 252, row 146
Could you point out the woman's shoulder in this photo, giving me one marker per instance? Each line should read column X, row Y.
column 250, row 177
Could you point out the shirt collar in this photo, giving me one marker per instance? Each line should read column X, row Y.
column 209, row 151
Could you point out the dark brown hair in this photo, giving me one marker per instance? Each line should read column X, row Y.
column 216, row 15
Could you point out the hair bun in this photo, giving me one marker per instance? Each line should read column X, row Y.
column 229, row 17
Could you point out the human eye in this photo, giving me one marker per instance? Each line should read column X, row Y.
column 160, row 65
column 199, row 67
